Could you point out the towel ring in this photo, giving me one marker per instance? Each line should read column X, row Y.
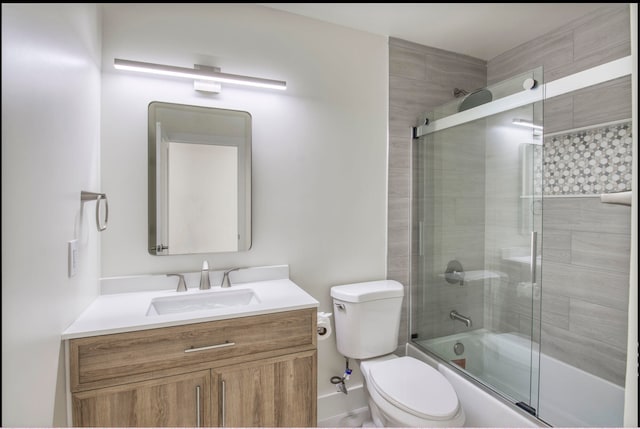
column 90, row 196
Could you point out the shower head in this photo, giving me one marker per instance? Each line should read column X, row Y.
column 476, row 98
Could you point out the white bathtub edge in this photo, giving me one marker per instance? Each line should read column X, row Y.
column 482, row 409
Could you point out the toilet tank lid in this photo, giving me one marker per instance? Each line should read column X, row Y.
column 368, row 291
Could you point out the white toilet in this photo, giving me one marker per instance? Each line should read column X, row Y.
column 402, row 391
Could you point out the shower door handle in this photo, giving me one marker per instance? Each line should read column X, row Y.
column 534, row 256
column 420, row 238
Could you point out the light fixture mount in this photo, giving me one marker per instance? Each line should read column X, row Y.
column 207, row 85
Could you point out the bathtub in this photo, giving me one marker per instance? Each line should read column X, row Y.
column 569, row 397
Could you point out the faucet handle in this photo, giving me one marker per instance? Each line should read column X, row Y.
column 226, row 282
column 182, row 286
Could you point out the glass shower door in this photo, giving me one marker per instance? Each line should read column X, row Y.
column 478, row 206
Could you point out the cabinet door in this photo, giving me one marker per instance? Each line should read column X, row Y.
column 275, row 393
column 182, row 400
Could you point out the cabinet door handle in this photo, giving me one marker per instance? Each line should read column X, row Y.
column 223, row 403
column 216, row 346
column 198, row 423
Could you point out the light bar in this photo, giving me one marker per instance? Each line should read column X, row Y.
column 201, row 74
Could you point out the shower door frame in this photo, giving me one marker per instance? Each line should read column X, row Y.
column 593, row 76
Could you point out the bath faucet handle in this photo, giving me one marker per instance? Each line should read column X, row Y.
column 226, row 282
column 182, row 285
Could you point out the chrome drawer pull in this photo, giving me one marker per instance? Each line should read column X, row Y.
column 217, row 346
column 223, row 397
column 198, row 424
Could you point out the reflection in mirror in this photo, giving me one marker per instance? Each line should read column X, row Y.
column 199, row 179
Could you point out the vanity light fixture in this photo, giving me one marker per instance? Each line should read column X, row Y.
column 201, row 73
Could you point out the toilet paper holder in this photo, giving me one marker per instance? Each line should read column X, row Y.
column 323, row 317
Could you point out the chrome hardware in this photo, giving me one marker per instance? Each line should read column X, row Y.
column 159, row 248
column 223, row 399
column 340, row 306
column 529, row 83
column 458, row 348
column 198, row 406
column 90, row 196
column 216, row 346
column 454, row 315
column 342, row 387
column 182, row 286
column 454, row 273
column 204, row 276
column 534, row 255
column 226, row 282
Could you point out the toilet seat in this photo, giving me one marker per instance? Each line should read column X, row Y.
column 415, row 388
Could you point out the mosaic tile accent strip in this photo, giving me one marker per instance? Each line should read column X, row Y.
column 592, row 161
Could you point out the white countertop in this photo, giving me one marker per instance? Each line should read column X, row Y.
column 123, row 312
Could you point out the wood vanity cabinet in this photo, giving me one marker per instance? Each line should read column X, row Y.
column 178, row 401
column 255, row 371
column 277, row 393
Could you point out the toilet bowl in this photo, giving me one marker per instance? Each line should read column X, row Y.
column 406, row 392
column 401, row 391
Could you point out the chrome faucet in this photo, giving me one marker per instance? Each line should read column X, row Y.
column 182, row 286
column 226, row 282
column 454, row 315
column 204, row 276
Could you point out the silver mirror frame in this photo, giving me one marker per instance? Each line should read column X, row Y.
column 202, row 132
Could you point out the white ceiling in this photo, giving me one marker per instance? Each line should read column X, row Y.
column 481, row 30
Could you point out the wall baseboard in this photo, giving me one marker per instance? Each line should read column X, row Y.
column 352, row 419
column 339, row 410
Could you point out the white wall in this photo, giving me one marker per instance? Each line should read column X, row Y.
column 319, row 148
column 50, row 152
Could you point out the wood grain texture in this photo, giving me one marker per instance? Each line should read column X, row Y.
column 171, row 401
column 105, row 360
column 270, row 376
column 272, row 393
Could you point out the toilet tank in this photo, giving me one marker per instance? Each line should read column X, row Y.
column 367, row 317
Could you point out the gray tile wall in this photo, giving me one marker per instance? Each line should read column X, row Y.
column 420, row 79
column 584, row 283
column 450, row 204
column 588, row 41
column 585, row 251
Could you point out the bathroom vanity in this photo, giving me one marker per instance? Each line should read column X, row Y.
column 243, row 365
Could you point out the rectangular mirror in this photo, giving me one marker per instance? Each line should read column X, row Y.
column 199, row 179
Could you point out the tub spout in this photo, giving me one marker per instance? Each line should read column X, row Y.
column 454, row 315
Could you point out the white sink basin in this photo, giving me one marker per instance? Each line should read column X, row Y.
column 135, row 303
column 198, row 301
